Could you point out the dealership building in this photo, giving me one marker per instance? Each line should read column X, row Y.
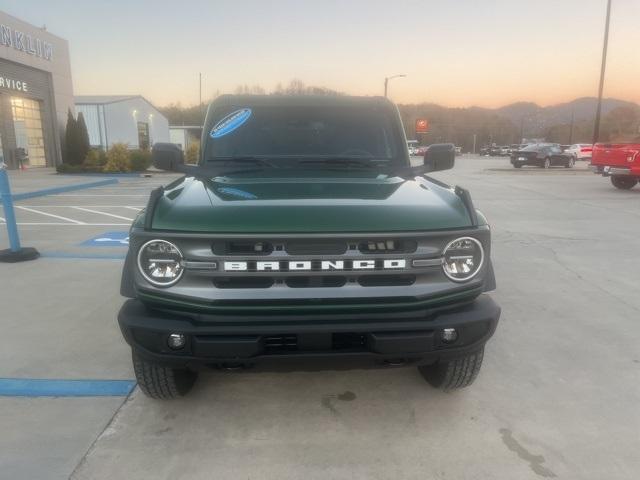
column 35, row 93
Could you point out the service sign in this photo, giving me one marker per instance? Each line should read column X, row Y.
column 13, row 84
column 422, row 125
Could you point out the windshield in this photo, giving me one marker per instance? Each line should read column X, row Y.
column 302, row 132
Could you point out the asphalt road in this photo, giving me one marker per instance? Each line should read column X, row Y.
column 558, row 394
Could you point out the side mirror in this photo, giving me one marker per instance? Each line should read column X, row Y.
column 167, row 156
column 439, row 156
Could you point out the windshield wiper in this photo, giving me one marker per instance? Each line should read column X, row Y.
column 346, row 162
column 243, row 159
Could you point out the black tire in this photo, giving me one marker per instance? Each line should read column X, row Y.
column 570, row 163
column 624, row 182
column 161, row 382
column 517, row 165
column 454, row 374
column 546, row 163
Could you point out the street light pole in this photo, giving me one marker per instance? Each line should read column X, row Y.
column 596, row 127
column 386, row 82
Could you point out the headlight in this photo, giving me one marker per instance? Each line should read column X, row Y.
column 462, row 259
column 160, row 262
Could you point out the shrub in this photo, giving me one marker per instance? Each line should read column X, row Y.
column 95, row 158
column 140, row 160
column 68, row 168
column 192, row 153
column 118, row 159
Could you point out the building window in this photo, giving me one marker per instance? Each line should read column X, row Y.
column 27, row 124
column 143, row 135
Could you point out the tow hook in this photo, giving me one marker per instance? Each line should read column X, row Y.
column 232, row 367
column 395, row 362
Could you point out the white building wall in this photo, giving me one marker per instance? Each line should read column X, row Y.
column 178, row 136
column 95, row 124
column 116, row 122
column 121, row 122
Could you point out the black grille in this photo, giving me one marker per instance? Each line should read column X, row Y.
column 388, row 246
column 243, row 282
column 316, row 248
column 315, row 262
column 313, row 281
column 386, row 280
column 280, row 343
column 243, row 248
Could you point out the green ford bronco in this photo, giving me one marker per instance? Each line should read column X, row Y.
column 305, row 237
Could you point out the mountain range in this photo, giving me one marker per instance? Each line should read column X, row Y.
column 582, row 109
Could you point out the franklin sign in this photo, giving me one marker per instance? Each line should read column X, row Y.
column 25, row 43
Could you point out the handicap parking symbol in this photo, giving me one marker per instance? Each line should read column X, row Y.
column 108, row 239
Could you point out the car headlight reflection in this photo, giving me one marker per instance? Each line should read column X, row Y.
column 160, row 262
column 462, row 259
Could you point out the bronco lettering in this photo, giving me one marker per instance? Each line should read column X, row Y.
column 307, row 265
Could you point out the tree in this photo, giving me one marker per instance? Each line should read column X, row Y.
column 621, row 124
column 72, row 153
column 83, row 138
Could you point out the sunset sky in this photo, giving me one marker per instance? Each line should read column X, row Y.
column 454, row 52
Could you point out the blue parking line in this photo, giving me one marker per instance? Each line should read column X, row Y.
column 105, row 174
column 36, row 387
column 82, row 256
column 67, row 188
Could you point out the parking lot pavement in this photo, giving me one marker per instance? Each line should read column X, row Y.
column 60, row 310
column 557, row 396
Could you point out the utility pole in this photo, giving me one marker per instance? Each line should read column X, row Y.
column 521, row 130
column 386, row 82
column 200, row 97
column 596, row 127
column 474, row 143
column 573, row 113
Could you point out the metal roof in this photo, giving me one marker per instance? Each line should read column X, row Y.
column 107, row 99
column 102, row 99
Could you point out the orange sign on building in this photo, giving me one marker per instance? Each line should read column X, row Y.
column 422, row 125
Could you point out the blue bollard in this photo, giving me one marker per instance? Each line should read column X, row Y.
column 9, row 213
column 15, row 253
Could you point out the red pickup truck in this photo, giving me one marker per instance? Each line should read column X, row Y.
column 620, row 161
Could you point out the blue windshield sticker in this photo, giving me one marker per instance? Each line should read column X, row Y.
column 236, row 192
column 231, row 122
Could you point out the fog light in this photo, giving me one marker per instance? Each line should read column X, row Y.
column 449, row 335
column 176, row 341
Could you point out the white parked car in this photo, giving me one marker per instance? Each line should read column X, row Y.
column 580, row 151
column 412, row 145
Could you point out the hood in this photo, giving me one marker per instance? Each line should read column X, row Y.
column 308, row 204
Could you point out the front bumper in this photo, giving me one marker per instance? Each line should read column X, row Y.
column 214, row 341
